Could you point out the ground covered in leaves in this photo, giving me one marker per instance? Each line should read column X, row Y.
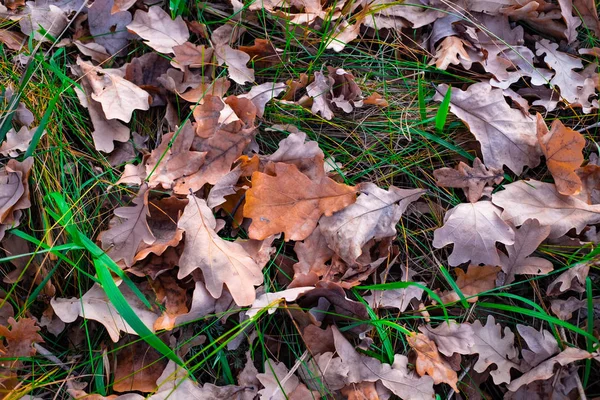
column 299, row 199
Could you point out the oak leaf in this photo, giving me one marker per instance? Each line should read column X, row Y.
column 121, row 5
column 292, row 203
column 43, row 22
column 471, row 179
column 137, row 367
column 94, row 304
column 523, row 200
column 450, row 337
column 17, row 141
column 235, row 60
column 261, row 94
column 545, row 370
column 221, row 262
column 129, row 229
column 320, row 91
column 109, row 28
column 295, row 149
column 262, row 54
column 312, row 255
column 517, row 261
column 452, row 50
column 474, row 228
column 191, row 55
column 494, row 348
column 118, row 97
column 158, row 29
column 572, row 279
column 430, row 362
column 564, row 309
column 562, row 148
column 394, row 298
column 279, row 384
column 14, row 192
column 542, row 345
column 270, row 301
column 374, row 215
column 507, row 137
column 477, row 279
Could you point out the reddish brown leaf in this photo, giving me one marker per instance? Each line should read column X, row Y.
column 471, row 179
column 430, row 362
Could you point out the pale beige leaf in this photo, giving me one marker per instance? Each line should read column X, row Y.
column 260, row 95
column 49, row 17
column 236, row 61
column 17, row 141
column 320, row 90
column 94, row 304
column 118, row 96
column 474, row 229
column 450, row 337
column 507, row 137
column 494, row 348
column 545, row 370
column 542, row 345
column 278, row 383
column 571, row 279
column 222, row 262
column 121, row 5
column 295, row 149
column 158, row 29
column 270, row 301
column 394, row 298
column 517, row 262
column 572, row 21
column 130, row 228
column 94, row 50
column 523, row 200
column 451, row 50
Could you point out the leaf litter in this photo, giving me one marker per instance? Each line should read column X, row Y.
column 213, row 228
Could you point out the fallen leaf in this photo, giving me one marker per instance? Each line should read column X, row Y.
column 45, row 18
column 320, row 90
column 94, row 305
column 376, row 99
column 572, row 279
column 96, row 51
column 494, row 348
column 471, row 179
column 477, row 279
column 545, row 370
column 450, row 337
column 394, row 298
column 295, row 149
column 12, row 40
column 262, row 54
column 14, row 192
column 451, row 50
column 121, row 5
column 118, row 96
column 517, row 261
column 278, row 383
column 17, row 141
column 292, row 203
column 374, row 215
column 563, row 149
column 474, row 228
column 158, row 29
column 523, row 200
column 191, row 55
column 270, row 301
column 507, row 137
column 260, row 95
column 430, row 362
column 129, row 229
column 564, row 309
column 361, row 391
column 138, row 366
column 221, row 262
column 542, row 345
column 109, row 29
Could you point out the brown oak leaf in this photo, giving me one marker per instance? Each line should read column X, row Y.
column 430, row 362
column 292, row 203
column 158, row 29
column 471, row 179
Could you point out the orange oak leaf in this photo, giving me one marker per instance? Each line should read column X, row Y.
column 292, row 203
column 476, row 280
column 563, row 149
column 430, row 362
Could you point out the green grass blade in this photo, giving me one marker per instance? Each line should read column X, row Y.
column 442, row 114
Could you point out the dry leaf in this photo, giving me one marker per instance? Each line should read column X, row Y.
column 523, row 200
column 476, row 280
column 262, row 54
column 118, row 96
column 430, row 362
column 14, row 192
column 507, row 137
column 292, row 203
column 95, row 305
column 138, row 366
column 394, row 298
column 12, row 40
column 221, row 262
column 260, row 95
column 542, row 345
column 294, row 149
column 564, row 309
column 109, row 29
column 527, row 239
column 450, row 337
column 374, row 215
column 572, row 279
column 494, row 348
column 320, row 90
column 474, row 228
column 17, row 141
column 312, row 255
column 122, row 240
column 158, row 29
column 191, row 55
column 271, row 301
column 40, row 18
column 562, row 148
column 278, row 383
column 452, row 50
column 121, row 5
column 545, row 370
column 94, row 50
column 471, row 179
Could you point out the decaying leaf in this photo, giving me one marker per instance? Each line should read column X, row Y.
column 571, row 279
column 562, row 148
column 476, row 280
column 494, row 348
column 474, row 228
column 517, row 262
column 523, row 200
column 137, row 367
column 450, row 337
column 292, row 203
column 158, row 29
column 122, row 240
column 471, row 179
column 118, row 96
column 94, row 304
column 374, row 215
column 221, row 262
column 507, row 137
column 430, row 362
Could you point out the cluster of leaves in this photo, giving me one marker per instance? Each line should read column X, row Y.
column 207, row 207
